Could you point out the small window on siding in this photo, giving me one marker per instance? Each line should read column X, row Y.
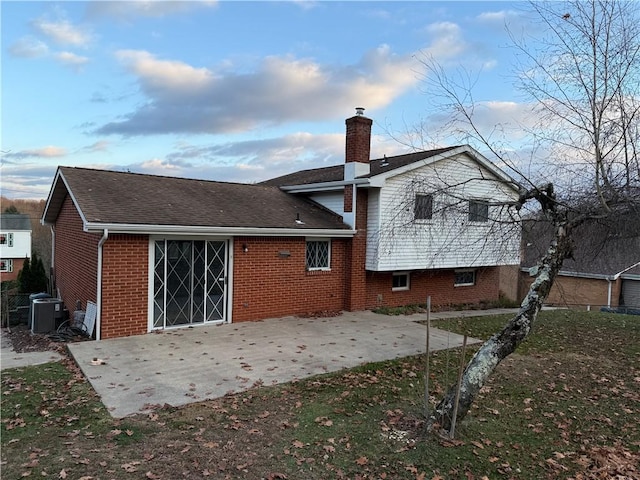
column 400, row 281
column 478, row 211
column 464, row 278
column 6, row 239
column 318, row 255
column 423, row 209
column 6, row 265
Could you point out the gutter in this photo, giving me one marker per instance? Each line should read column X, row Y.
column 105, row 235
column 185, row 230
column 324, row 186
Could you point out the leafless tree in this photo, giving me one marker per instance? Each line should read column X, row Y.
column 582, row 78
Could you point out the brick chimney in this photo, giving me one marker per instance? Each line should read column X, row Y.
column 356, row 158
column 357, row 145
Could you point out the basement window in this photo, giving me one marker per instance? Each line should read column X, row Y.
column 318, row 254
column 400, row 281
column 464, row 278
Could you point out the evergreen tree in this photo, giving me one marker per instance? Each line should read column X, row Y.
column 33, row 277
column 38, row 274
column 24, row 276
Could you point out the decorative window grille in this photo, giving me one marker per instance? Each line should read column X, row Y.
column 318, row 255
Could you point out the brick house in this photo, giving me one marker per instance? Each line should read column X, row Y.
column 15, row 244
column 158, row 252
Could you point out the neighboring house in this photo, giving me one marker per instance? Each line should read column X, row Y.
column 15, row 244
column 604, row 270
column 157, row 252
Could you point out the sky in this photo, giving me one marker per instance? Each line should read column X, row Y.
column 233, row 90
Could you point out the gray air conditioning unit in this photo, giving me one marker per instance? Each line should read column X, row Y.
column 46, row 311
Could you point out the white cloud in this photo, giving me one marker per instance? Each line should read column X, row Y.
column 63, row 32
column 280, row 89
column 28, row 47
column 158, row 165
column 99, row 146
column 27, row 180
column 499, row 18
column 50, row 151
column 447, row 41
column 71, row 59
column 164, row 75
column 511, row 20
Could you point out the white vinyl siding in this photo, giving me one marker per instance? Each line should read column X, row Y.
column 373, row 227
column 449, row 240
column 17, row 245
column 334, row 201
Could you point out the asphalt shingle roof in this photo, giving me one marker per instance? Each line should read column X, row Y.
column 598, row 250
column 336, row 172
column 15, row 221
column 128, row 198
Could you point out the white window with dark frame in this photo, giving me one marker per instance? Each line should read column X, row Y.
column 478, row 211
column 318, row 254
column 400, row 281
column 423, row 209
column 464, row 278
column 6, row 266
column 6, row 239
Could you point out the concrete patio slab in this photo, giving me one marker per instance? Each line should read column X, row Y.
column 181, row 366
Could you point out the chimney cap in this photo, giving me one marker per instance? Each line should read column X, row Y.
column 359, row 111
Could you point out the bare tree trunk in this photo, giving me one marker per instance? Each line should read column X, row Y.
column 502, row 344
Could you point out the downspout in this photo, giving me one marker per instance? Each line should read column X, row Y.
column 52, row 266
column 105, row 235
column 354, row 206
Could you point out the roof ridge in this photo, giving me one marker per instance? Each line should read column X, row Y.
column 416, row 152
column 156, row 175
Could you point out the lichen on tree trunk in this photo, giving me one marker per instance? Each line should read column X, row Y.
column 503, row 343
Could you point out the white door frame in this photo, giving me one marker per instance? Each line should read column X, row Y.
column 229, row 279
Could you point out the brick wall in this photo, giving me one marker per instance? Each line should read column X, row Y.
column 125, row 284
column 76, row 258
column 266, row 284
column 356, row 275
column 577, row 292
column 439, row 284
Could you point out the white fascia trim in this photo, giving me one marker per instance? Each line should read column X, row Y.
column 49, row 198
column 59, row 175
column 183, row 230
column 325, row 186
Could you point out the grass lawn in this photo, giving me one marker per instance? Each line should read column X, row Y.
column 567, row 405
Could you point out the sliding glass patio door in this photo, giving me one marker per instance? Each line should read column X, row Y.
column 189, row 283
